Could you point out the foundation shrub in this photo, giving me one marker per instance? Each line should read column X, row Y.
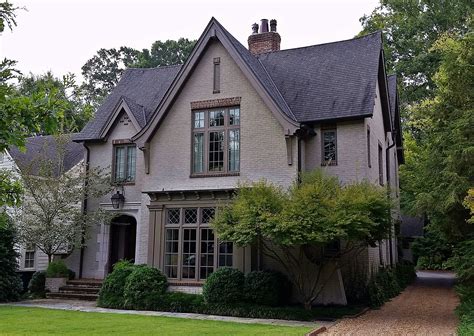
column 266, row 288
column 144, row 287
column 224, row 286
column 111, row 294
column 36, row 286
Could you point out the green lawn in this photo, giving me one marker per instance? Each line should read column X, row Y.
column 39, row 321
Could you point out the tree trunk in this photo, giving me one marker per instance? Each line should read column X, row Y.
column 308, row 305
column 50, row 257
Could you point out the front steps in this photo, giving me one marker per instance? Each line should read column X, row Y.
column 83, row 289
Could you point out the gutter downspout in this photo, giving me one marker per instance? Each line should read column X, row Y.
column 387, row 150
column 84, row 211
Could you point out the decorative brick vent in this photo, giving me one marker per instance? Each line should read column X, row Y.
column 222, row 102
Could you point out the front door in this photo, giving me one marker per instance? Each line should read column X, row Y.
column 123, row 232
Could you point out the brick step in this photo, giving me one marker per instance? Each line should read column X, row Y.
column 72, row 296
column 85, row 283
column 79, row 289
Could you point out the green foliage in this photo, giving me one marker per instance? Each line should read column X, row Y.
column 433, row 250
column 465, row 310
column 388, row 283
column 439, row 162
column 265, row 288
column 178, row 302
column 7, row 15
column 57, row 269
column 36, row 287
column 463, row 261
column 111, row 294
column 144, row 286
column 10, row 189
column 10, row 282
column 225, row 285
column 103, row 71
column 410, row 28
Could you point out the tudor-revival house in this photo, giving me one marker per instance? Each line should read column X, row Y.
column 179, row 139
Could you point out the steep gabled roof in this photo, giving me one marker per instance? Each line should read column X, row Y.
column 248, row 64
column 328, row 81
column 46, row 148
column 141, row 89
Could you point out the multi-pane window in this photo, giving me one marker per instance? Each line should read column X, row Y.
column 216, row 141
column 125, row 158
column 329, row 146
column 190, row 244
column 30, row 256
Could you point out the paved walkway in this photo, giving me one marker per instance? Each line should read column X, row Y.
column 87, row 306
column 425, row 308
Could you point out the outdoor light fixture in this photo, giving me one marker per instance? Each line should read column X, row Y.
column 117, row 200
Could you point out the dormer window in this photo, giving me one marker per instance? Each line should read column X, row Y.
column 124, row 163
column 216, row 141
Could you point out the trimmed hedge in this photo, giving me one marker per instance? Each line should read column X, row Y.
column 144, row 287
column 388, row 283
column 57, row 269
column 266, row 288
column 36, row 286
column 225, row 285
column 111, row 294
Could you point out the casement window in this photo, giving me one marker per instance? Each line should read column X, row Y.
column 368, row 148
column 329, row 146
column 216, row 141
column 191, row 250
column 380, row 159
column 30, row 257
column 125, row 158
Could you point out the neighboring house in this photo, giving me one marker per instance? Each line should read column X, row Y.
column 180, row 138
column 31, row 259
column 410, row 229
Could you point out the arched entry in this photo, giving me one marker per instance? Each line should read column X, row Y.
column 123, row 233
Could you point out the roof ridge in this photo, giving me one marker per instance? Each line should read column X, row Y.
column 156, row 68
column 322, row 44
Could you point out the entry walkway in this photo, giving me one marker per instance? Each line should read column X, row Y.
column 425, row 308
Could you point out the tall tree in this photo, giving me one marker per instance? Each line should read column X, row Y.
column 76, row 109
column 103, row 71
column 410, row 27
column 439, row 168
column 51, row 217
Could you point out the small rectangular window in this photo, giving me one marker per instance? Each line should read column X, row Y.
column 368, row 147
column 217, row 75
column 380, row 159
column 124, row 163
column 30, row 258
column 226, row 252
column 329, row 147
column 171, row 252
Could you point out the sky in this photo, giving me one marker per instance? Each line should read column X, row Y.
column 61, row 35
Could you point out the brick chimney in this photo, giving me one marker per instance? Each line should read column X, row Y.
column 264, row 40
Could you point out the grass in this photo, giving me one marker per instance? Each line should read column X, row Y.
column 465, row 310
column 40, row 321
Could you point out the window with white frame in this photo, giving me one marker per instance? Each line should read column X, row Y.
column 191, row 249
column 29, row 256
column 216, row 141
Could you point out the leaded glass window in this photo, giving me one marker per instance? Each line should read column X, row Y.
column 329, row 147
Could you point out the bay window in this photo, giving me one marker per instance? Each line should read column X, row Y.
column 191, row 249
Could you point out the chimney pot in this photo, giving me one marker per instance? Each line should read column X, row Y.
column 255, row 28
column 273, row 25
column 264, row 26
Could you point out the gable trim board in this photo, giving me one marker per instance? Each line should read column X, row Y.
column 213, row 31
column 122, row 105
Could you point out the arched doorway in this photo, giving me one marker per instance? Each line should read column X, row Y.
column 123, row 233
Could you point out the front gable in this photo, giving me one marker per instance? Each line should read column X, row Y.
column 121, row 116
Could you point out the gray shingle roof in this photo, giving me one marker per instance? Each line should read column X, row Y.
column 142, row 90
column 328, row 81
column 46, row 148
column 412, row 226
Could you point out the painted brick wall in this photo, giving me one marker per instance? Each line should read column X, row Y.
column 263, row 147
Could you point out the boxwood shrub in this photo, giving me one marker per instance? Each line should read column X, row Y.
column 36, row 286
column 57, row 269
column 111, row 294
column 225, row 285
column 144, row 287
column 266, row 288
